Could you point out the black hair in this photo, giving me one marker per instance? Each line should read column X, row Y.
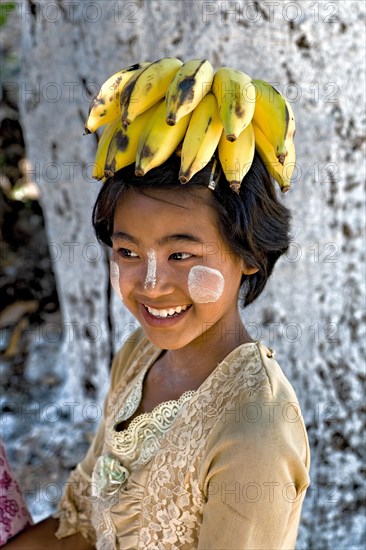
column 254, row 224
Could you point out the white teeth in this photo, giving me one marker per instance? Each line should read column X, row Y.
column 165, row 312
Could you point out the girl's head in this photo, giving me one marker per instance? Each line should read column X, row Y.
column 254, row 225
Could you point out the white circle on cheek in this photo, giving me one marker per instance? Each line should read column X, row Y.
column 114, row 277
column 205, row 284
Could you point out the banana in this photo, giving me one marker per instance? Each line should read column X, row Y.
column 280, row 172
column 123, row 143
column 190, row 84
column 105, row 106
column 102, row 149
column 235, row 94
column 158, row 140
column 146, row 87
column 201, row 111
column 236, row 157
column 201, row 139
column 274, row 116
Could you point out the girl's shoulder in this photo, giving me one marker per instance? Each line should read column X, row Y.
column 257, row 398
column 281, row 387
column 258, row 405
column 253, row 367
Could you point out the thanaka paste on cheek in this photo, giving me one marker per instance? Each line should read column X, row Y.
column 151, row 269
column 205, row 284
column 114, row 278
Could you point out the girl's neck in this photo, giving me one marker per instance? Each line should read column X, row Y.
column 198, row 359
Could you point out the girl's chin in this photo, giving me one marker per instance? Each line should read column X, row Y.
column 165, row 341
column 174, row 342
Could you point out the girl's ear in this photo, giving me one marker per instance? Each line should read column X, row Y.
column 245, row 270
column 249, row 270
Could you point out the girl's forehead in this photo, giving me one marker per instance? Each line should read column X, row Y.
column 153, row 216
column 167, row 202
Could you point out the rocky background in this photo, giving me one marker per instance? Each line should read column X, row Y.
column 60, row 324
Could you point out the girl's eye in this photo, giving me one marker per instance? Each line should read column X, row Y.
column 126, row 253
column 181, row 256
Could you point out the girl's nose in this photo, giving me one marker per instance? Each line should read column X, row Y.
column 157, row 280
column 150, row 279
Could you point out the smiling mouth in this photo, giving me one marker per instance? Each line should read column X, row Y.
column 170, row 312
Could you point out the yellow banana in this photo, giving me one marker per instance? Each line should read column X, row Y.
column 105, row 106
column 236, row 157
column 102, row 149
column 123, row 143
column 146, row 87
column 274, row 116
column 201, row 139
column 280, row 172
column 235, row 96
column 158, row 140
column 190, row 84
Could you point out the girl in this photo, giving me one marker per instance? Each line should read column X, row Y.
column 202, row 444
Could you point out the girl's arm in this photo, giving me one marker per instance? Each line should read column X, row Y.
column 256, row 481
column 42, row 536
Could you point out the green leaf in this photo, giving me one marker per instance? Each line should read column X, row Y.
column 5, row 9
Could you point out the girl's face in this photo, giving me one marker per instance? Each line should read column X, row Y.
column 172, row 269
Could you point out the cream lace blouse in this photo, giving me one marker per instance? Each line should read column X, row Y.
column 224, row 467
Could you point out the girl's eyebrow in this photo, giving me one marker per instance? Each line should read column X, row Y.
column 167, row 239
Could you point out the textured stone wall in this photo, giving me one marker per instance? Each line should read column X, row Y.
column 313, row 310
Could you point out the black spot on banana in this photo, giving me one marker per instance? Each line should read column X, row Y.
column 189, row 86
column 184, row 94
column 122, row 141
column 97, row 101
column 209, row 120
column 146, row 87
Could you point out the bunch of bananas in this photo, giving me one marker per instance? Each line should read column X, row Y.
column 151, row 110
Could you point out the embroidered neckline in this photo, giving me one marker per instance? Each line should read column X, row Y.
column 156, row 411
column 133, row 399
